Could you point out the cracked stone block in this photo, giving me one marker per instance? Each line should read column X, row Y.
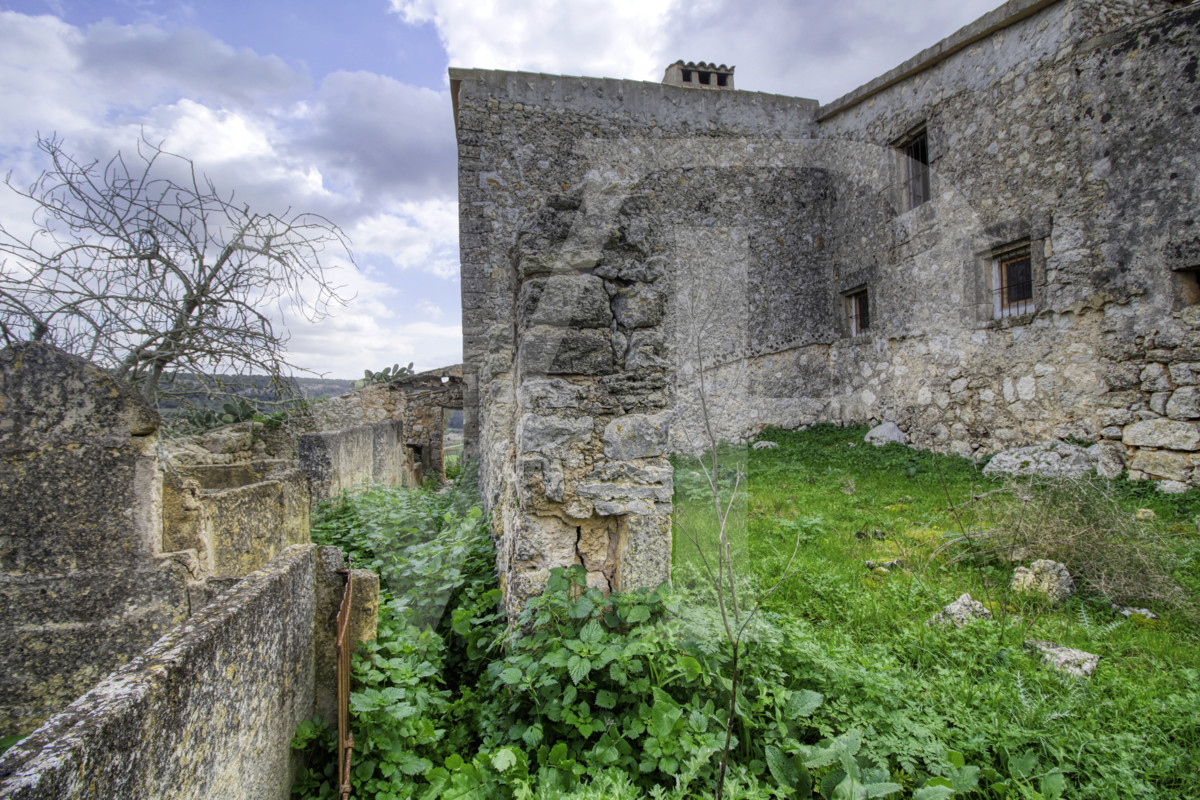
column 637, row 436
column 1045, row 577
column 1165, row 433
column 593, row 547
column 552, row 435
column 565, row 300
column 960, row 612
column 1068, row 660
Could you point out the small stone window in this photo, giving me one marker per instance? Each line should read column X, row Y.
column 914, row 151
column 858, row 311
column 1187, row 285
column 1012, row 282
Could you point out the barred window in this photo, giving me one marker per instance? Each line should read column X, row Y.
column 858, row 312
column 916, row 157
column 1012, row 283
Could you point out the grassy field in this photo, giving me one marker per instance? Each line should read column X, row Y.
column 858, row 635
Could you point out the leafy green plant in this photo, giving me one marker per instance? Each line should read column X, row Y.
column 239, row 410
column 385, row 375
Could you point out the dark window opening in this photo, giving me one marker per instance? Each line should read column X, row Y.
column 687, row 76
column 858, row 310
column 1187, row 282
column 705, row 78
column 1012, row 284
column 916, row 156
column 722, row 79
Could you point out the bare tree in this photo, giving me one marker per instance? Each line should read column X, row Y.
column 141, row 265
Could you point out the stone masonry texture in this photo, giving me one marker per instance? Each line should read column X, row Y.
column 209, row 710
column 621, row 240
column 82, row 586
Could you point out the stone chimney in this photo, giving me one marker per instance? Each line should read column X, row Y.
column 699, row 75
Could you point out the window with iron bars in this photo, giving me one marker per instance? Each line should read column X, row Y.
column 858, row 312
column 1012, row 283
column 916, row 158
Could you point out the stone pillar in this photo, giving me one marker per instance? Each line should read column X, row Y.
column 81, row 585
column 592, row 483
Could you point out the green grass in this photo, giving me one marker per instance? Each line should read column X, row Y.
column 859, row 637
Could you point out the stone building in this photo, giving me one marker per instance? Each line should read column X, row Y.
column 993, row 244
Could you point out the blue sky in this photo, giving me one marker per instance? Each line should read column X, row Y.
column 343, row 108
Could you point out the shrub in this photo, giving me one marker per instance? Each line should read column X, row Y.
column 1079, row 522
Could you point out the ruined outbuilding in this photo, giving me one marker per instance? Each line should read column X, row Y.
column 993, row 244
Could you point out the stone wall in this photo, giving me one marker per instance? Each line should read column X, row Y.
column 85, row 583
column 622, row 239
column 341, row 460
column 210, row 709
column 415, row 402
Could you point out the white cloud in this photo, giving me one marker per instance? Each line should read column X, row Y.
column 429, row 309
column 611, row 38
column 794, row 47
column 143, row 63
column 411, row 235
column 382, row 137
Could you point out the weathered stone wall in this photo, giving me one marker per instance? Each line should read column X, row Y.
column 570, row 248
column 210, row 709
column 234, row 517
column 338, row 461
column 415, row 401
column 618, row 235
column 84, row 582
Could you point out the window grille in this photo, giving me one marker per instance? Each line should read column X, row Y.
column 916, row 154
column 1012, row 284
column 858, row 310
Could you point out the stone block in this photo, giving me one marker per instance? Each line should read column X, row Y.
column 887, row 433
column 647, row 350
column 1185, row 374
column 1184, row 403
column 1154, row 378
column 638, row 306
column 637, row 436
column 565, row 351
column 645, row 554
column 962, row 611
column 565, row 300
column 1169, row 434
column 552, row 435
column 593, row 547
column 1076, row 663
column 1163, row 464
column 549, row 393
column 1045, row 577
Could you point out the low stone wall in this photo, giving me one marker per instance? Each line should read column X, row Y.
column 235, row 517
column 210, row 709
column 337, row 461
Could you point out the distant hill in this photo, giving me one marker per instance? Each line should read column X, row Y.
column 256, row 389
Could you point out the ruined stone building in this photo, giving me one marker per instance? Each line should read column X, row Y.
column 993, row 244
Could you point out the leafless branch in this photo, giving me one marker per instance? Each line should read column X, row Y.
column 144, row 267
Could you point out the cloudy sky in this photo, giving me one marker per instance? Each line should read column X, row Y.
column 343, row 108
